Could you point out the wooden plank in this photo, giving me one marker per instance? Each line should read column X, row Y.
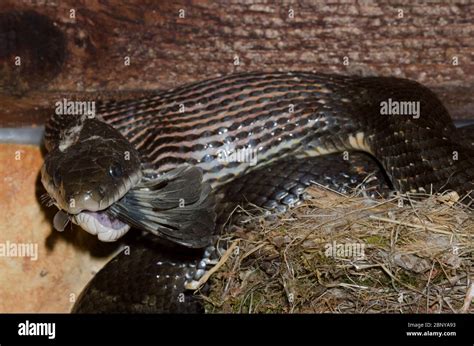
column 167, row 50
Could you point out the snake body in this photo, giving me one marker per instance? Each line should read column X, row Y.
column 287, row 120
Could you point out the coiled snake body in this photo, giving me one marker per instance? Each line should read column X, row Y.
column 164, row 165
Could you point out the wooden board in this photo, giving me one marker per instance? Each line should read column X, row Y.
column 171, row 43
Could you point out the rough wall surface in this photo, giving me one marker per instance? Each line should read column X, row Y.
column 41, row 270
column 150, row 45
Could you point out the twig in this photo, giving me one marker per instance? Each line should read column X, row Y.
column 468, row 299
column 194, row 285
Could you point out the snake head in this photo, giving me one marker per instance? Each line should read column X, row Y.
column 93, row 172
column 94, row 176
column 88, row 171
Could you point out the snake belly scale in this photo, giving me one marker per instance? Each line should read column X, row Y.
column 279, row 117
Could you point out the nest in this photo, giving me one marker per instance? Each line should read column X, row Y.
column 349, row 254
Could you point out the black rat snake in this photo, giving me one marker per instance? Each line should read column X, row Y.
column 175, row 163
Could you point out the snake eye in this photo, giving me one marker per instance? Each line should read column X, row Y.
column 115, row 170
column 57, row 178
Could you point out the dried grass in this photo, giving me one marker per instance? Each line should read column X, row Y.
column 405, row 254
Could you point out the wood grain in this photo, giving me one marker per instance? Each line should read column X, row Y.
column 166, row 50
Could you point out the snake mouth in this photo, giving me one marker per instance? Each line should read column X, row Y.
column 106, row 227
column 177, row 206
column 91, row 214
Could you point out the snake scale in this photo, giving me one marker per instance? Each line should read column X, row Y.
column 156, row 164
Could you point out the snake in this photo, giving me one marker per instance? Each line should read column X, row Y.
column 168, row 167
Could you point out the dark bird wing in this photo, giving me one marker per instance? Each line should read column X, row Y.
column 177, row 206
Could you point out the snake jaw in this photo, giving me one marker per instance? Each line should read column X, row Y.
column 107, row 228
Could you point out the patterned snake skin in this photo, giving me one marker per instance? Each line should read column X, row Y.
column 152, row 277
column 289, row 119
